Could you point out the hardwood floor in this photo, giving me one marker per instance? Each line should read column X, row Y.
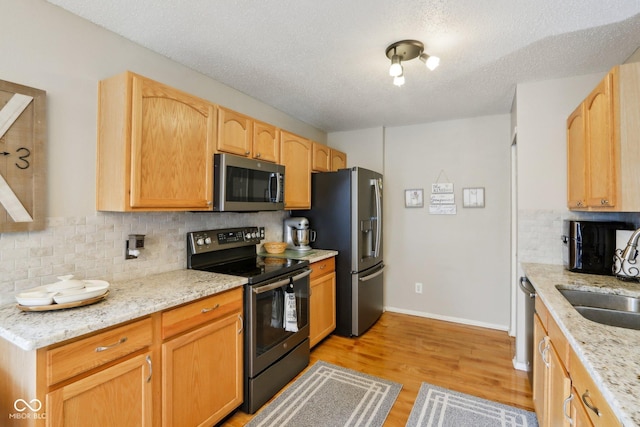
column 411, row 350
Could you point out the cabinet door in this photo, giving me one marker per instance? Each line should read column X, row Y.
column 540, row 372
column 171, row 148
column 579, row 412
column 576, row 160
column 322, row 307
column 266, row 142
column 601, row 146
column 321, row 158
column 559, row 389
column 202, row 374
column 117, row 396
column 295, row 155
column 234, row 132
column 338, row 160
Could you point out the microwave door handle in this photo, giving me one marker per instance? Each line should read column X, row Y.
column 269, row 188
column 278, row 188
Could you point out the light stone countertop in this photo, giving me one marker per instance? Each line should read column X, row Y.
column 127, row 300
column 313, row 255
column 611, row 355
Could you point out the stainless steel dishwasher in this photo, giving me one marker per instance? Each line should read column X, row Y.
column 529, row 309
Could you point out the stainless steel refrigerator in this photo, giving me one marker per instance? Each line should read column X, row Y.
column 346, row 212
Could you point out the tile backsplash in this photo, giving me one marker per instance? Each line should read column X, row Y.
column 539, row 231
column 93, row 247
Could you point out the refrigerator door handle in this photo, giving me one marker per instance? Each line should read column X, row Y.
column 378, row 217
column 371, row 276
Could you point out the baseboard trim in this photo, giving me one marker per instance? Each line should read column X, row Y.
column 521, row 366
column 448, row 319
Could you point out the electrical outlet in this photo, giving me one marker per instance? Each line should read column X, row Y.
column 418, row 288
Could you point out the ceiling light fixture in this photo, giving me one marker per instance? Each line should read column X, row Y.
column 407, row 50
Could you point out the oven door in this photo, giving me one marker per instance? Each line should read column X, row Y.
column 267, row 337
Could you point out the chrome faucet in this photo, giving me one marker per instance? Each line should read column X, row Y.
column 624, row 261
column 631, row 252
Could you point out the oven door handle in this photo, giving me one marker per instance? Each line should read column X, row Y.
column 301, row 275
column 271, row 286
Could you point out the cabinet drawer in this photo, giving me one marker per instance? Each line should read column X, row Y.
column 590, row 395
column 201, row 311
column 322, row 267
column 80, row 356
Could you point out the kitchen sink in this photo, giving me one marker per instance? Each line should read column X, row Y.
column 613, row 310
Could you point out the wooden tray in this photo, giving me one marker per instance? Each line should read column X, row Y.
column 63, row 306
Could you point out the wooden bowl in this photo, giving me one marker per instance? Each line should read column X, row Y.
column 274, row 247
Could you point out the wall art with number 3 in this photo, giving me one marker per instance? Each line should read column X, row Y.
column 22, row 158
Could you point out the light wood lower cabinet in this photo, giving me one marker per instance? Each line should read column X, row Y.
column 322, row 310
column 180, row 367
column 120, row 395
column 564, row 394
column 202, row 369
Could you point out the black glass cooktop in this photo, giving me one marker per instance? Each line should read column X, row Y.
column 257, row 269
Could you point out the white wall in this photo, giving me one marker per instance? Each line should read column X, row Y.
column 364, row 147
column 460, row 259
column 48, row 48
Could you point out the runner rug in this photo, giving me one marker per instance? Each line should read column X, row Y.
column 328, row 395
column 437, row 406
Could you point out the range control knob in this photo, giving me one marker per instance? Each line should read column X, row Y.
column 207, row 240
column 200, row 241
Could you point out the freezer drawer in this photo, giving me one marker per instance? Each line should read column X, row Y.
column 366, row 298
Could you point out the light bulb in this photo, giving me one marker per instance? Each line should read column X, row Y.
column 395, row 69
column 398, row 80
column 432, row 62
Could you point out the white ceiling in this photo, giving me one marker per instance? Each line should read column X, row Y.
column 323, row 61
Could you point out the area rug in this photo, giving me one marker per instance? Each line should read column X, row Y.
column 437, row 406
column 328, row 395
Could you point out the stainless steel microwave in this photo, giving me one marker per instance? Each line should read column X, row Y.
column 246, row 185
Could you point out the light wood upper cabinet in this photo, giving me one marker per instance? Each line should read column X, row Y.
column 266, row 142
column 322, row 302
column 338, row 160
column 155, row 147
column 321, row 158
column 577, row 160
column 234, row 132
column 295, row 155
column 602, row 145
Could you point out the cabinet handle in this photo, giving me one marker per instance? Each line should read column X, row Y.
column 150, row 369
column 257, row 155
column 208, row 309
column 589, row 404
column 579, row 204
column 564, row 409
column 247, row 152
column 107, row 347
column 241, row 324
column 322, row 267
column 604, row 202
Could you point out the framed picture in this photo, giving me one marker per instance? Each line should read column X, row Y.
column 473, row 197
column 413, row 198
